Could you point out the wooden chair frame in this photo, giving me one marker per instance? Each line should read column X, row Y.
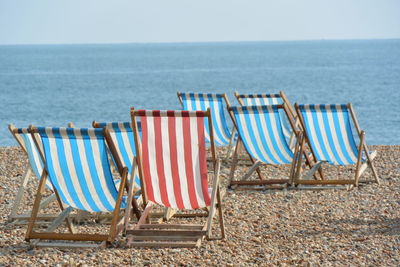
column 117, row 224
column 232, row 138
column 257, row 163
column 147, row 234
column 360, row 167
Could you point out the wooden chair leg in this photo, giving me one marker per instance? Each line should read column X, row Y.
column 21, row 190
column 229, row 151
column 220, row 214
column 213, row 199
column 234, row 162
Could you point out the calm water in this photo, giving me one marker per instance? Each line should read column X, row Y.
column 50, row 85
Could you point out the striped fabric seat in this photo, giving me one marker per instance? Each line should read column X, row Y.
column 200, row 102
column 266, row 100
column 329, row 132
column 174, row 158
column 260, row 129
column 27, row 143
column 260, row 99
column 122, row 136
column 78, row 167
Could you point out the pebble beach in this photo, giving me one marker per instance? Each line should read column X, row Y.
column 330, row 227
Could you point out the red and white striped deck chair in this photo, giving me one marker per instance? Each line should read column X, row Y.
column 171, row 156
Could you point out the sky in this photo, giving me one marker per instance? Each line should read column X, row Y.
column 143, row 21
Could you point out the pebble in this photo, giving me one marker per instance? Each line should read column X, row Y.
column 288, row 228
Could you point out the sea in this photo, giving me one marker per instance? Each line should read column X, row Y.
column 51, row 85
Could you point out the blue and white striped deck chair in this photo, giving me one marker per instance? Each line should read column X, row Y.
column 260, row 130
column 25, row 140
column 272, row 99
column 201, row 101
column 122, row 136
column 328, row 132
column 76, row 163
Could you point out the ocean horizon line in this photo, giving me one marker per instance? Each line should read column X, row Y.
column 203, row 42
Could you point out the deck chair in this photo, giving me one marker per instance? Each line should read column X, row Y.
column 329, row 136
column 25, row 141
column 122, row 136
column 261, row 132
column 173, row 170
column 203, row 101
column 273, row 99
column 76, row 163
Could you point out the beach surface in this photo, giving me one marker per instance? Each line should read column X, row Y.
column 332, row 227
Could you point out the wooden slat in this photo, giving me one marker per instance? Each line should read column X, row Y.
column 322, row 182
column 166, row 232
column 260, row 188
column 69, row 245
column 64, row 236
column 39, row 217
column 164, row 244
column 165, row 238
column 321, row 187
column 261, row 182
column 171, row 226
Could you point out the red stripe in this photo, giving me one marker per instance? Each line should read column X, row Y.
column 170, row 113
column 145, row 159
column 188, row 162
column 160, row 162
column 203, row 160
column 174, row 162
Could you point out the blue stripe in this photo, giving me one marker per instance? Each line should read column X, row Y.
column 319, row 136
column 65, row 171
column 274, row 139
column 106, row 172
column 340, row 136
column 202, row 107
column 121, row 146
column 29, row 150
column 281, row 137
column 241, row 133
column 80, row 174
column 215, row 118
column 261, row 133
column 310, row 137
column 50, row 168
column 253, row 139
column 350, row 135
column 329, row 136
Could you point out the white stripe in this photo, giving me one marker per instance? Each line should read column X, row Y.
column 99, row 168
column 256, row 133
column 86, row 171
column 181, row 163
column 271, row 117
column 345, row 134
column 57, row 169
column 246, row 137
column 151, row 143
column 196, row 162
column 166, row 154
column 127, row 145
column 334, row 134
column 72, row 169
column 312, row 132
column 218, row 123
column 279, row 141
column 324, row 131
